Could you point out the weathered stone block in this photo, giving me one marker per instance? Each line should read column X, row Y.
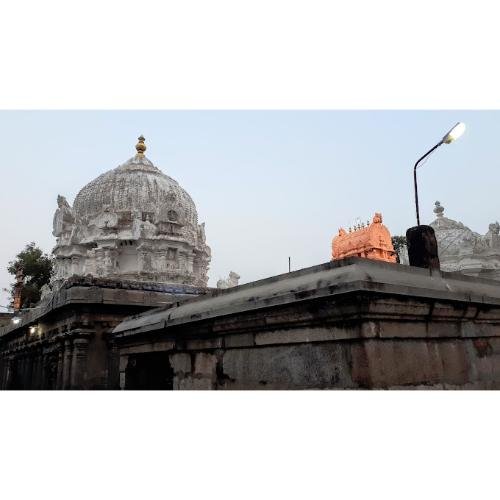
column 402, row 308
column 166, row 345
column 123, row 363
column 402, row 329
column 290, row 367
column 122, row 380
column 314, row 334
column 180, row 362
column 455, row 362
column 112, row 296
column 205, row 364
column 195, row 384
column 208, row 343
column 239, row 340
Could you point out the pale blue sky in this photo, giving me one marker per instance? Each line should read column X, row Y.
column 268, row 184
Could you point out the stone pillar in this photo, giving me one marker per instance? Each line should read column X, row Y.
column 40, row 373
column 67, row 360
column 422, row 247
column 75, row 264
column 110, row 260
column 5, row 367
column 29, row 370
column 35, row 383
column 201, row 376
column 8, row 373
column 113, row 366
column 22, row 370
column 190, row 263
column 123, row 367
column 79, row 363
column 60, row 365
column 2, row 372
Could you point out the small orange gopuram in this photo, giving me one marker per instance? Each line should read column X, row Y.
column 372, row 241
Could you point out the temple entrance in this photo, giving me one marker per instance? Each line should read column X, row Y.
column 50, row 373
column 149, row 371
column 15, row 382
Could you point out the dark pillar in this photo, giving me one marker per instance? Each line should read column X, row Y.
column 39, row 370
column 60, row 363
column 35, row 380
column 79, row 363
column 422, row 247
column 67, row 360
column 29, row 370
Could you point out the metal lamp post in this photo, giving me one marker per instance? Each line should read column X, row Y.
column 451, row 136
column 421, row 240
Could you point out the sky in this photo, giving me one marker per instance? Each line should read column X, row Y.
column 268, row 184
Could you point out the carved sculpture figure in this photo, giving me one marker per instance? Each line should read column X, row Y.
column 201, row 233
column 494, row 228
column 461, row 249
column 232, row 280
column 64, row 218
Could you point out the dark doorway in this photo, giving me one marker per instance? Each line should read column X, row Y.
column 50, row 373
column 149, row 371
column 15, row 382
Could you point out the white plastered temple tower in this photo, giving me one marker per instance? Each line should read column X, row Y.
column 463, row 250
column 131, row 223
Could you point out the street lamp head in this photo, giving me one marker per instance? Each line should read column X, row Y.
column 454, row 133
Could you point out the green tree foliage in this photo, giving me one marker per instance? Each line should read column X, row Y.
column 398, row 242
column 37, row 269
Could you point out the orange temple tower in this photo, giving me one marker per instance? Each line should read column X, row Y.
column 18, row 288
column 372, row 241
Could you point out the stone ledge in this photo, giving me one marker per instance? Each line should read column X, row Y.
column 87, row 290
column 332, row 280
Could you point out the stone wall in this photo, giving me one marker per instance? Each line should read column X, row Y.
column 66, row 342
column 352, row 325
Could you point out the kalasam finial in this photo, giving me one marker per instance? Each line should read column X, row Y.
column 140, row 146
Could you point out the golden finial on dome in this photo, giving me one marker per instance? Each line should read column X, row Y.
column 140, row 146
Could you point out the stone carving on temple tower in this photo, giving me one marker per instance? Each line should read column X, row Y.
column 131, row 223
column 231, row 281
column 64, row 219
column 461, row 249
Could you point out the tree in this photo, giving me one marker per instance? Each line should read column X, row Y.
column 37, row 270
column 398, row 242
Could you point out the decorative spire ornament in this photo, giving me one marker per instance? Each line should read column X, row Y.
column 439, row 209
column 140, row 146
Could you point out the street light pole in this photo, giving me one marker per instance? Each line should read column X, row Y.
column 451, row 136
column 420, row 239
column 415, row 177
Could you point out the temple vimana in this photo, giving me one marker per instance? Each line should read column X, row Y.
column 128, row 306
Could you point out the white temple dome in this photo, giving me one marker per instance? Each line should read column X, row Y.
column 139, row 187
column 133, row 222
column 453, row 237
column 464, row 250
